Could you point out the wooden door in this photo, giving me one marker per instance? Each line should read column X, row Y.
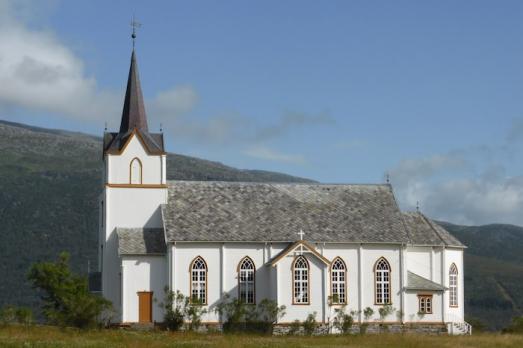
column 145, row 307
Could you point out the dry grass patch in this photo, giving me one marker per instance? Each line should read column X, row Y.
column 49, row 336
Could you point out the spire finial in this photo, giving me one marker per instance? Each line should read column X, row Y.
column 387, row 177
column 417, row 206
column 134, row 24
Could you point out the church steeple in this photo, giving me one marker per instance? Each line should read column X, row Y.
column 133, row 115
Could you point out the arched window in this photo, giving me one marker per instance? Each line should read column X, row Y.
column 453, row 285
column 135, row 172
column 246, row 282
column 382, row 274
column 300, row 272
column 199, row 281
column 338, row 281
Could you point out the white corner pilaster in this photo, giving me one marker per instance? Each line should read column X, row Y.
column 122, row 292
column 444, row 283
column 173, row 267
column 222, row 269
column 403, row 278
column 360, row 283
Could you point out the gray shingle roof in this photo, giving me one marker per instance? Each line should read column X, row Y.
column 141, row 241
column 416, row 282
column 423, row 231
column 224, row 211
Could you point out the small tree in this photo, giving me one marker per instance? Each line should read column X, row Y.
column 194, row 311
column 343, row 321
column 66, row 297
column 367, row 314
column 310, row 324
column 174, row 305
column 385, row 311
column 245, row 317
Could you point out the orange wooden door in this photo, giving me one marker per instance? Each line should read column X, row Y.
column 145, row 307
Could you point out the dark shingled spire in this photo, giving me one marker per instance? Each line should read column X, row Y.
column 133, row 115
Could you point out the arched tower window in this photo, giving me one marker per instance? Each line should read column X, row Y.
column 453, row 285
column 199, row 281
column 382, row 281
column 338, row 281
column 246, row 280
column 135, row 172
column 300, row 272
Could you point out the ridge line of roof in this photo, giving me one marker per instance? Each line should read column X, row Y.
column 432, row 227
column 274, row 183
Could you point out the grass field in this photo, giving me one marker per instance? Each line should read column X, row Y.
column 47, row 336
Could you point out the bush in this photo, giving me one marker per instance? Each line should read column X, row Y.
column 367, row 314
column 343, row 321
column 20, row 315
column 174, row 304
column 241, row 317
column 294, row 328
column 67, row 300
column 179, row 309
column 385, row 311
column 515, row 327
column 310, row 324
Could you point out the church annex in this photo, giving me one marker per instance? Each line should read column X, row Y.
column 301, row 245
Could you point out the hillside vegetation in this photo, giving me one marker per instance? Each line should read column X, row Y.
column 49, row 186
column 50, row 181
column 493, row 271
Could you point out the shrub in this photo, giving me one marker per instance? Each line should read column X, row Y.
column 367, row 314
column 343, row 321
column 180, row 309
column 249, row 318
column 385, row 311
column 515, row 327
column 20, row 315
column 294, row 328
column 174, row 307
column 67, row 300
column 310, row 324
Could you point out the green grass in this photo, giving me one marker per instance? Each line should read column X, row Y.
column 48, row 336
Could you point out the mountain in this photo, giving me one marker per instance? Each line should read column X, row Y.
column 493, row 272
column 50, row 182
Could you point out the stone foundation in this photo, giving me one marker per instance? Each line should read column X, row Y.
column 371, row 328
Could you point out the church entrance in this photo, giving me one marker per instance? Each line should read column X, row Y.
column 145, row 307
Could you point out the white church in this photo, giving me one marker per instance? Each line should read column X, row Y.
column 301, row 245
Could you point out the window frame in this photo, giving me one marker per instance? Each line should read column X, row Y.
column 424, row 298
column 376, row 282
column 453, row 289
column 344, row 282
column 307, row 282
column 206, row 271
column 131, row 171
column 253, row 282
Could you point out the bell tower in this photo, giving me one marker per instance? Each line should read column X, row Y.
column 134, row 183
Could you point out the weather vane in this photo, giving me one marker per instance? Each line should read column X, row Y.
column 134, row 24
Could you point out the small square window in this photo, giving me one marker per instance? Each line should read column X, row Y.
column 425, row 304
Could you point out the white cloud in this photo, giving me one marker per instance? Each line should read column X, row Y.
column 39, row 72
column 267, row 154
column 448, row 189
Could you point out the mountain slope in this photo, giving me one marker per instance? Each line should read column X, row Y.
column 50, row 181
column 49, row 184
column 493, row 271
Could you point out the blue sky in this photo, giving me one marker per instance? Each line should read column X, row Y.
column 336, row 91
